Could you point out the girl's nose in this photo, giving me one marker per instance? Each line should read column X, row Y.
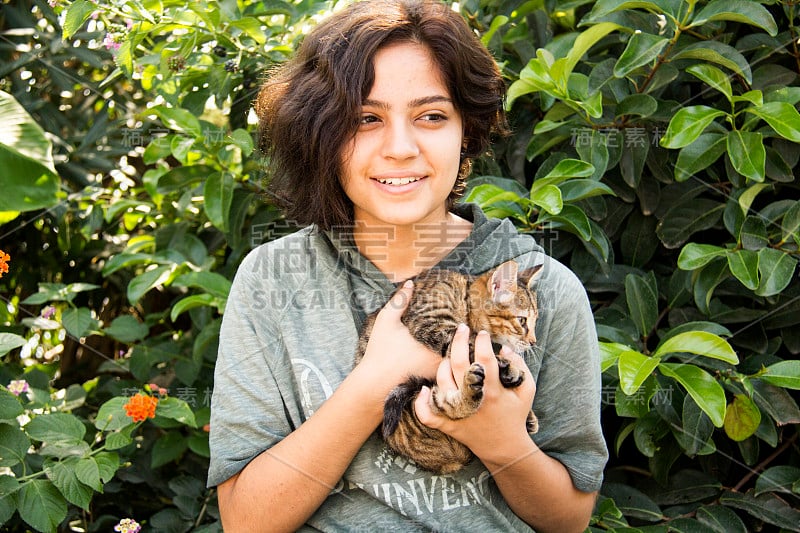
column 400, row 142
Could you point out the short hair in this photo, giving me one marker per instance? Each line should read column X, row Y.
column 309, row 107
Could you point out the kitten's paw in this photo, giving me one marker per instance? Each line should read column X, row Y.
column 473, row 385
column 510, row 376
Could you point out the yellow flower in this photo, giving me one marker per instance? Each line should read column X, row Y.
column 141, row 407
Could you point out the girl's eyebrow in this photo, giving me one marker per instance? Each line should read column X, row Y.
column 425, row 100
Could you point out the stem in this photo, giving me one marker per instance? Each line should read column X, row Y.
column 763, row 464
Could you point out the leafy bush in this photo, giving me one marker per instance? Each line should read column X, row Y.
column 655, row 150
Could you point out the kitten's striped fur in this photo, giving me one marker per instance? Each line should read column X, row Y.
column 500, row 302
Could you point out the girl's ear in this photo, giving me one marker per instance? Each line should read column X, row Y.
column 503, row 283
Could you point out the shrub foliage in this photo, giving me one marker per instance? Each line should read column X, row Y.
column 655, row 149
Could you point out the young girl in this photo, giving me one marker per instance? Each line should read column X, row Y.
column 370, row 130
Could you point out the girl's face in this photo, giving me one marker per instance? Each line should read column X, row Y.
column 402, row 163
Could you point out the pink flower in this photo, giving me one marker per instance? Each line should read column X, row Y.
column 48, row 311
column 128, row 525
column 18, row 386
column 110, row 41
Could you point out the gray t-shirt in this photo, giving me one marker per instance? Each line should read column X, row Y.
column 288, row 340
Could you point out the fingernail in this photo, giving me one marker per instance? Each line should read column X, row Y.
column 505, row 350
column 483, row 332
column 462, row 328
column 408, row 284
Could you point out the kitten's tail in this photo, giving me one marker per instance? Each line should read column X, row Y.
column 401, row 399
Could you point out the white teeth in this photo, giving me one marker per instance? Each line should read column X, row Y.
column 398, row 181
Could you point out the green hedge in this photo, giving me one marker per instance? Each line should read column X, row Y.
column 655, row 150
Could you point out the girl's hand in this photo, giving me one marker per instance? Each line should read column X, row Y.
column 392, row 353
column 499, row 424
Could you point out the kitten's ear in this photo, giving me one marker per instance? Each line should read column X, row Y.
column 529, row 275
column 503, row 283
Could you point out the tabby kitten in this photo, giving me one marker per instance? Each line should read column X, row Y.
column 500, row 302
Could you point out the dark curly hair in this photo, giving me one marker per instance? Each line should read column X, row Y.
column 309, row 107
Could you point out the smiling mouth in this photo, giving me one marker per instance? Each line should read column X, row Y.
column 397, row 181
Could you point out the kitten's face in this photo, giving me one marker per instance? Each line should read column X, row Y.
column 514, row 324
column 508, row 305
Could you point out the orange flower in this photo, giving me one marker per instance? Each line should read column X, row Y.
column 4, row 258
column 141, row 407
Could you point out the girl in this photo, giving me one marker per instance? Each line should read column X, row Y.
column 370, row 130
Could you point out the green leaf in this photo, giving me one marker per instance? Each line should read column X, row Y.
column 150, row 279
column 127, row 329
column 687, row 125
column 595, row 150
column 55, row 427
column 641, row 294
column 742, row 418
column 190, row 302
column 609, row 353
column 782, row 117
column 720, row 519
column 218, row 194
column 169, row 447
column 10, row 341
column 686, row 218
column 14, row 445
column 211, row 282
column 696, row 430
column 41, row 505
column 699, row 343
column 78, row 322
column 580, row 189
column 107, row 463
column 176, row 409
column 744, row 265
column 178, row 119
column 572, row 219
column 243, row 140
column 642, row 105
column 634, row 369
column 63, row 476
column 713, row 77
column 10, row 408
column 28, row 180
column 642, row 49
column 777, row 479
column 790, row 226
column 747, row 153
column 111, row 416
column 717, row 52
column 78, row 12
column 767, row 507
column 753, row 234
column 88, row 473
column 694, row 256
column 703, row 388
column 569, row 168
column 117, row 440
column 548, row 198
column 744, row 11
column 632, row 502
column 747, row 197
column 785, row 374
column 776, row 268
column 583, row 43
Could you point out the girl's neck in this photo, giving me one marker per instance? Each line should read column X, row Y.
column 401, row 252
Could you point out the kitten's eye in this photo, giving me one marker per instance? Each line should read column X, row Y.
column 523, row 321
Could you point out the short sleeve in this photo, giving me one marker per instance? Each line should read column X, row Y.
column 247, row 411
column 568, row 386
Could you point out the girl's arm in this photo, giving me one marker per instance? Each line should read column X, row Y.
column 283, row 486
column 537, row 487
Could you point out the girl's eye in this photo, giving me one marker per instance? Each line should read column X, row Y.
column 369, row 119
column 434, row 117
